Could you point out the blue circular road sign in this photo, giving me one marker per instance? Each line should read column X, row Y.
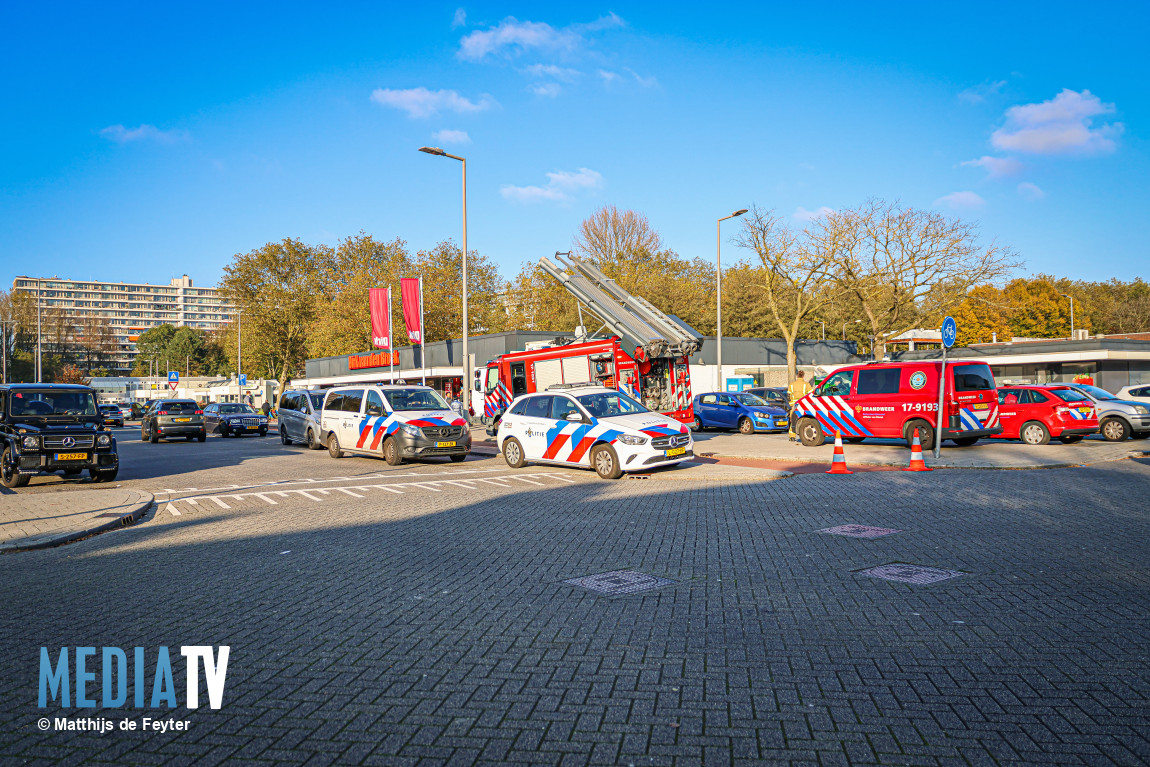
column 949, row 332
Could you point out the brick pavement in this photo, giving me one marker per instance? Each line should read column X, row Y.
column 28, row 520
column 437, row 629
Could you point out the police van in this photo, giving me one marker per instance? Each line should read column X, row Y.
column 889, row 400
column 392, row 422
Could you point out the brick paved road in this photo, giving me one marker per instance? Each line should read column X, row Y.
column 435, row 628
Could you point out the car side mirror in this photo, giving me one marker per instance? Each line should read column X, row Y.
column 575, row 417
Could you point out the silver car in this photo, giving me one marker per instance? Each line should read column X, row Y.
column 1117, row 418
column 299, row 417
column 1136, row 393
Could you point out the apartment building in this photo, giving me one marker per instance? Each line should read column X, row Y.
column 128, row 309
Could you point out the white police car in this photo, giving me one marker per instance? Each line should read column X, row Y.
column 591, row 426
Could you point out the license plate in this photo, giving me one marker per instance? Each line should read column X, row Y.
column 71, row 456
column 675, row 451
column 1085, row 410
column 982, row 407
column 182, row 420
column 781, row 423
column 445, row 444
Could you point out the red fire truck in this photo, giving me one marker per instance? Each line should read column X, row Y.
column 645, row 354
column 662, row 385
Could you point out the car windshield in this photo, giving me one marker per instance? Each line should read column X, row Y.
column 316, row 400
column 414, row 399
column 751, row 399
column 236, row 409
column 49, row 402
column 607, row 404
column 1068, row 395
column 1095, row 392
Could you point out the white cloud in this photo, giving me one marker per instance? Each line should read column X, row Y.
column 960, row 200
column 561, row 186
column 996, row 167
column 1062, row 125
column 802, row 214
column 459, row 19
column 550, row 70
column 421, row 102
column 979, row 93
column 646, row 82
column 122, row 135
column 451, row 137
column 512, row 37
column 1029, row 191
column 608, row 76
column 550, row 90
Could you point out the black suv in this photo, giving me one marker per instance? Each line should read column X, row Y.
column 46, row 428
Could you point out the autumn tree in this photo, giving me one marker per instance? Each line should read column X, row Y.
column 983, row 316
column 442, row 272
column 1037, row 310
column 890, row 259
column 273, row 289
column 342, row 322
column 792, row 275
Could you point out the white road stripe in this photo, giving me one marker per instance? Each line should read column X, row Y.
column 345, row 490
column 306, row 494
column 568, row 480
column 389, row 489
column 192, row 501
column 172, row 510
column 220, row 503
column 528, row 481
column 264, row 497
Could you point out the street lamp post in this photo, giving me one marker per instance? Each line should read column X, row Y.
column 719, row 299
column 824, row 326
column 845, row 328
column 39, row 377
column 466, row 388
column 1067, row 295
column 239, row 342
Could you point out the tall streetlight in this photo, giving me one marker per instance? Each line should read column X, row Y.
column 466, row 388
column 39, row 377
column 719, row 299
column 845, row 328
column 824, row 326
column 1067, row 295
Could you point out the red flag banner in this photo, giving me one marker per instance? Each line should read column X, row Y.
column 411, row 289
column 380, row 318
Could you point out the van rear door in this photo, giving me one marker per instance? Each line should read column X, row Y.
column 975, row 393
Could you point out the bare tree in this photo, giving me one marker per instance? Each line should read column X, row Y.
column 900, row 264
column 613, row 236
column 793, row 277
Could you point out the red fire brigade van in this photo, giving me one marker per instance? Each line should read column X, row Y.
column 888, row 400
column 662, row 385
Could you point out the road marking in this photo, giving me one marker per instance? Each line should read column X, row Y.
column 193, row 501
column 345, row 490
column 264, row 497
column 528, row 481
column 221, row 504
column 374, row 475
column 389, row 489
column 172, row 511
column 308, row 495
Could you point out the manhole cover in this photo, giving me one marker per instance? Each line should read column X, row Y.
column 860, row 531
column 619, row 582
column 914, row 574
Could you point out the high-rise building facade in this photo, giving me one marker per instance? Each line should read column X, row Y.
column 127, row 309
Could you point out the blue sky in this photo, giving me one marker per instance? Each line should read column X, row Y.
column 144, row 141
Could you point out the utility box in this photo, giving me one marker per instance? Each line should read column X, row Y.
column 740, row 383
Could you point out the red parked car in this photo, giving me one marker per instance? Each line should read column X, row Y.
column 1034, row 414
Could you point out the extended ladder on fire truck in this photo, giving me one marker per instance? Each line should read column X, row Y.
column 638, row 323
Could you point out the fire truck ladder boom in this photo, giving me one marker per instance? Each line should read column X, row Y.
column 636, row 321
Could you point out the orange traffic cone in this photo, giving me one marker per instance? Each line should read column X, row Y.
column 839, row 462
column 916, row 462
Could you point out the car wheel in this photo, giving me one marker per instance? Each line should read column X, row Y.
column 457, row 458
column 513, row 453
column 1034, row 433
column 746, row 426
column 263, row 432
column 284, row 439
column 606, row 462
column 333, row 447
column 1114, row 430
column 390, row 451
column 9, row 476
column 965, row 441
column 203, row 437
column 312, row 442
column 224, row 431
column 925, row 434
column 143, row 434
column 103, row 475
column 153, row 438
column 811, row 432
column 1070, row 440
column 697, row 425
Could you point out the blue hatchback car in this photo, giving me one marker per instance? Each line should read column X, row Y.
column 749, row 413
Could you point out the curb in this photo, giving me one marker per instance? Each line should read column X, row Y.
column 130, row 517
column 1028, row 467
